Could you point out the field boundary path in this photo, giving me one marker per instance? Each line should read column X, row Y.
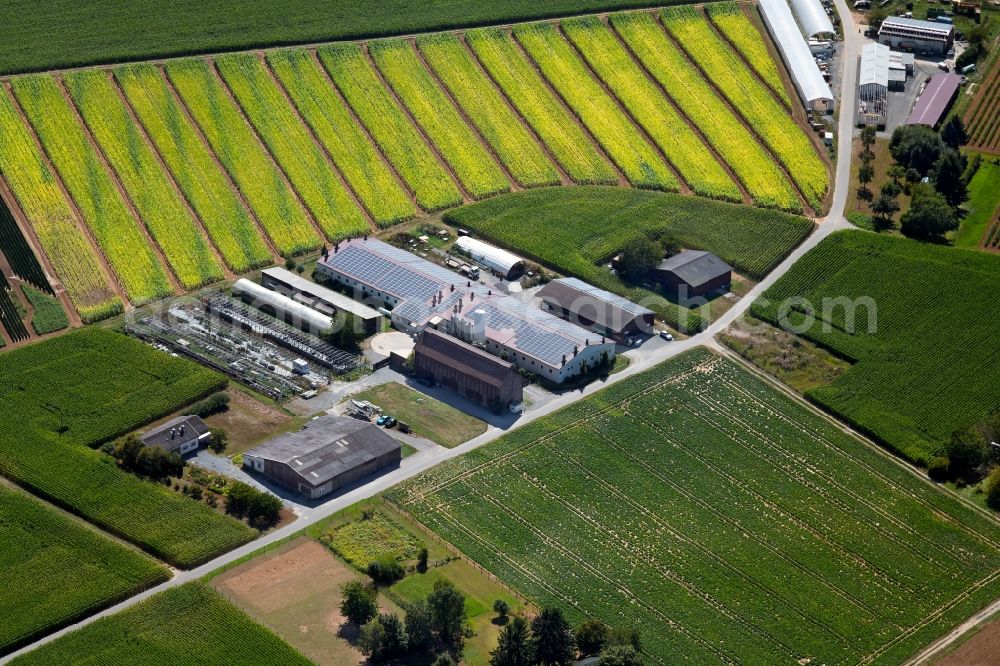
column 430, row 457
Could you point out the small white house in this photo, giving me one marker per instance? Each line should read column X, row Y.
column 180, row 435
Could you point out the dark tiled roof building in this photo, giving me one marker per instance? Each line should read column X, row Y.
column 328, row 453
column 467, row 370
column 595, row 309
column 694, row 273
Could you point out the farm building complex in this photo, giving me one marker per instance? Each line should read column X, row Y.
column 467, row 370
column 419, row 292
column 329, row 453
column 910, row 34
column 596, row 309
column 694, row 273
column 180, row 435
column 320, row 298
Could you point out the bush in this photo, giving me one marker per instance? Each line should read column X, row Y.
column 939, row 469
column 591, row 637
column 385, row 571
column 259, row 508
column 967, row 452
column 213, row 404
column 501, row 608
column 422, row 559
column 992, row 489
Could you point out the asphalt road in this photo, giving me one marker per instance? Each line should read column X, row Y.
column 426, row 459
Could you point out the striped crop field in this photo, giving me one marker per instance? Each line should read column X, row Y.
column 621, row 140
column 176, row 174
column 738, row 29
column 489, row 112
column 330, row 119
column 413, row 159
column 54, row 223
column 527, row 91
column 117, row 233
column 730, row 522
column 751, row 99
column 292, row 146
column 233, row 140
column 416, row 88
column 226, row 220
column 684, row 148
column 763, row 179
column 145, row 182
column 982, row 117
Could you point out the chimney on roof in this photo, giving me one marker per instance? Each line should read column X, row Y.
column 336, row 248
column 171, row 433
column 489, row 292
column 366, row 236
column 468, row 283
column 180, row 432
column 586, row 343
column 453, row 287
column 472, row 296
column 576, row 350
column 564, row 359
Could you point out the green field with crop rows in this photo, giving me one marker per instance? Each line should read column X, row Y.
column 187, row 624
column 922, row 338
column 63, row 570
column 90, row 386
column 729, row 522
column 577, row 230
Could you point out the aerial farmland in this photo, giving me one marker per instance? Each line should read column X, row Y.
column 605, row 332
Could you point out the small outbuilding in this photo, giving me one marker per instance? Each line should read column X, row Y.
column 506, row 264
column 180, row 435
column 468, row 370
column 694, row 273
column 326, row 301
column 596, row 309
column 329, row 453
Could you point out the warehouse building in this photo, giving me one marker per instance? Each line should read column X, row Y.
column 934, row 101
column 330, row 452
column 180, row 435
column 468, row 370
column 320, row 298
column 908, row 34
column 282, row 307
column 812, row 18
column 419, row 292
column 694, row 273
column 507, row 265
column 596, row 309
column 812, row 88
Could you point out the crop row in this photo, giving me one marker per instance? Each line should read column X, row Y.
column 357, row 80
column 487, row 110
column 734, row 24
column 762, row 178
column 682, row 146
column 169, row 628
column 330, row 119
column 10, row 318
column 981, row 116
column 228, row 224
column 909, row 326
column 144, row 181
column 637, row 159
column 19, row 254
column 784, row 536
column 402, row 69
column 53, row 221
column 292, row 146
column 63, row 570
column 237, row 148
column 100, row 203
column 757, row 105
column 527, row 91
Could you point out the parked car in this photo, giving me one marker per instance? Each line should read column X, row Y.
column 666, row 335
column 382, row 420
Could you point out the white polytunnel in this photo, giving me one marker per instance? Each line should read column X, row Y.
column 812, row 18
column 282, row 307
column 813, row 90
column 496, row 259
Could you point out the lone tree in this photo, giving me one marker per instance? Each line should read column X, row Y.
column 916, row 147
column 949, row 177
column 867, row 141
column 591, row 637
column 551, row 638
column 953, row 133
column 501, row 608
column 639, row 257
column 447, row 611
column 930, row 216
column 884, row 207
column 865, row 174
column 358, row 604
column 383, row 639
column 513, row 645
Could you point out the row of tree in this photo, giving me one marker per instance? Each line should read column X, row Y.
column 548, row 640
